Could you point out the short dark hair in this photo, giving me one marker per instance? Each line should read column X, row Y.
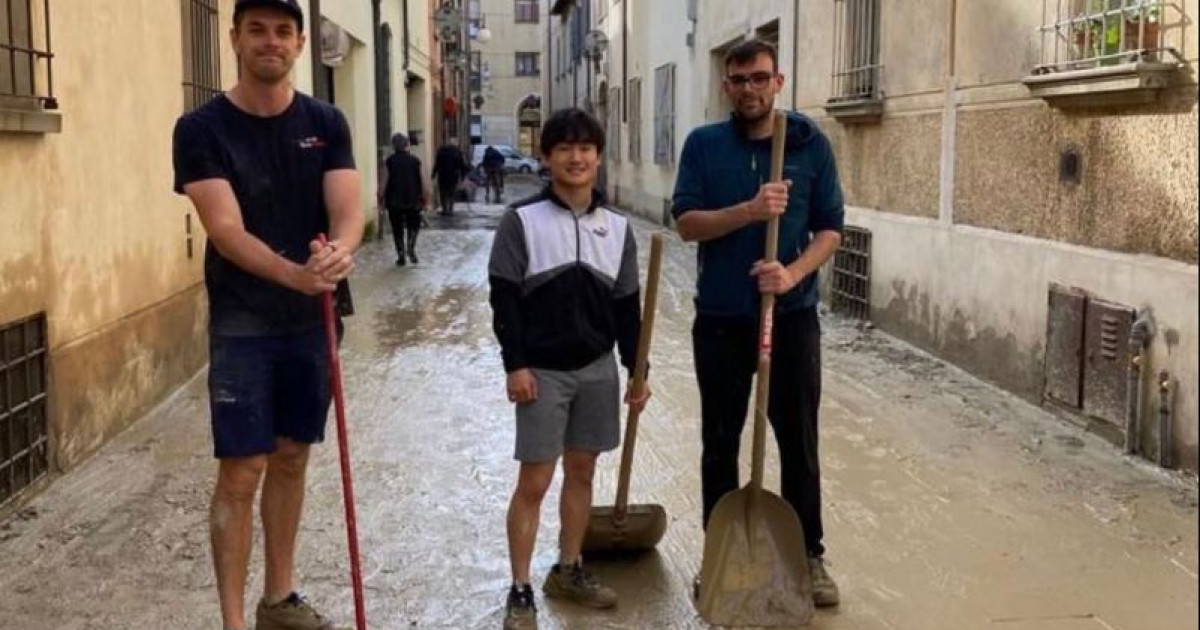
column 571, row 125
column 749, row 50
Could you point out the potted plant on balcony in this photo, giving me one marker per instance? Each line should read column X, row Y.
column 1097, row 31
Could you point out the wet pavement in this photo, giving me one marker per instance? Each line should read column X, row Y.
column 949, row 504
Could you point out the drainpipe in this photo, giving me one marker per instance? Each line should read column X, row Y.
column 1165, row 417
column 314, row 48
column 1139, row 338
column 407, row 35
column 624, row 62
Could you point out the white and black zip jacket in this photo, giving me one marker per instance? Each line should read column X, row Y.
column 564, row 285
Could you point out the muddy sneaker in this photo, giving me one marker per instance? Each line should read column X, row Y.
column 520, row 613
column 825, row 590
column 574, row 584
column 293, row 613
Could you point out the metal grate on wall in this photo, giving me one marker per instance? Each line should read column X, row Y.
column 24, row 440
column 201, row 52
column 851, row 293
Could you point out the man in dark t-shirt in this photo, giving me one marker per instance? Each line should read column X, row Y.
column 268, row 170
column 405, row 195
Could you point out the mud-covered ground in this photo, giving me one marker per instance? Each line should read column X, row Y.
column 949, row 504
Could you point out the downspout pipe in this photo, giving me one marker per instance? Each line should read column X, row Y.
column 1166, row 417
column 1140, row 334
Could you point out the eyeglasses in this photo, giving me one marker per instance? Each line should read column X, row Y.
column 757, row 80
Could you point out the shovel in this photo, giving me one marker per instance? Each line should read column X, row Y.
column 624, row 527
column 755, row 568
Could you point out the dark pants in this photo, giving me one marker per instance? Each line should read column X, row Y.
column 446, row 192
column 405, row 220
column 726, row 355
column 495, row 184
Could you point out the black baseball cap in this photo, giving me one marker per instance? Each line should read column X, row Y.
column 291, row 7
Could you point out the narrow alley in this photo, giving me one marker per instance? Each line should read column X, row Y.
column 950, row 504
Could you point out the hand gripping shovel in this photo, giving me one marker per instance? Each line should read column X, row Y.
column 624, row 527
column 755, row 570
column 339, row 404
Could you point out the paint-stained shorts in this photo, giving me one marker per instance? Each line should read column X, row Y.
column 265, row 387
column 578, row 410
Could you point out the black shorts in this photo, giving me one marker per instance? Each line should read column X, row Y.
column 262, row 388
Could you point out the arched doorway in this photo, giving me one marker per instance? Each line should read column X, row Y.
column 529, row 125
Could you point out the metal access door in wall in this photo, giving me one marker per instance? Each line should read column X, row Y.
column 24, row 438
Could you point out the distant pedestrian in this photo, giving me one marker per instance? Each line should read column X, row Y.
column 449, row 169
column 560, row 303
column 493, row 167
column 405, row 194
column 724, row 201
column 267, row 169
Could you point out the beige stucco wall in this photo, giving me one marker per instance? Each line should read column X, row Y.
column 90, row 230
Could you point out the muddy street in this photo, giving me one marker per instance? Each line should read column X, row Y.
column 949, row 504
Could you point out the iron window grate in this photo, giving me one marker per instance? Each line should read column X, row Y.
column 852, row 274
column 24, row 439
column 201, row 52
column 26, row 60
column 856, row 50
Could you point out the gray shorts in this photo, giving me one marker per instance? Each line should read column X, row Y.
column 578, row 410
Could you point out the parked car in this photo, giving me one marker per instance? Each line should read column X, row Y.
column 514, row 160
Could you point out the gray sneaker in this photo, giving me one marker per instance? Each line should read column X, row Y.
column 574, row 584
column 825, row 590
column 520, row 613
column 293, row 613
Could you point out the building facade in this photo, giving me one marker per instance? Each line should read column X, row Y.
column 506, row 72
column 102, row 306
column 1026, row 173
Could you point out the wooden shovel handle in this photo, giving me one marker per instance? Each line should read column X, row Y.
column 762, row 393
column 639, row 372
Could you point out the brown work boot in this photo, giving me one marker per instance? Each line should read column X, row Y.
column 574, row 584
column 520, row 613
column 825, row 590
column 293, row 613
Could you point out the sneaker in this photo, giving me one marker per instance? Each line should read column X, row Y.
column 293, row 613
column 412, row 258
column 400, row 261
column 520, row 613
column 825, row 590
column 574, row 584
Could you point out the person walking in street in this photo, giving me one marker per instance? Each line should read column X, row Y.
column 405, row 194
column 723, row 201
column 493, row 167
column 564, row 289
column 268, row 169
column 449, row 169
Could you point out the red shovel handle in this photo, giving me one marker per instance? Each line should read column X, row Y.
column 339, row 404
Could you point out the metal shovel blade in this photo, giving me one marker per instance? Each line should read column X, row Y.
column 755, row 570
column 641, row 528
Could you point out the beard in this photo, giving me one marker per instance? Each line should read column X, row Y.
column 753, row 111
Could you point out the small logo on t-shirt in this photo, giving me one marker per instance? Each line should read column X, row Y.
column 600, row 231
column 311, row 142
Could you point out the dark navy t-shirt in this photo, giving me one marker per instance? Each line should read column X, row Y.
column 276, row 167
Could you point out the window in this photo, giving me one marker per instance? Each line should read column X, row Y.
column 635, row 121
column 527, row 64
column 201, row 52
column 614, row 125
column 1084, row 34
column 26, row 75
column 24, row 439
column 856, row 50
column 527, row 11
column 664, row 114
column 476, row 71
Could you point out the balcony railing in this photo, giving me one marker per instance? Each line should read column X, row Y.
column 1087, row 34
